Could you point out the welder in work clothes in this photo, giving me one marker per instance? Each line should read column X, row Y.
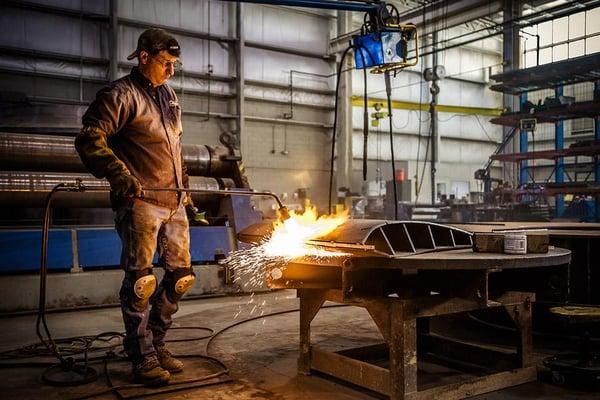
column 131, row 136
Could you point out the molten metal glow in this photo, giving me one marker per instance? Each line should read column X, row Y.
column 290, row 236
column 255, row 265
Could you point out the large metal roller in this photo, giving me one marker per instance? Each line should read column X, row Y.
column 28, row 152
column 29, row 189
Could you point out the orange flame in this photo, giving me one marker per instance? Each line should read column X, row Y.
column 289, row 237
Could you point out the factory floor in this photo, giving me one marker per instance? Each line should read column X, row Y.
column 261, row 354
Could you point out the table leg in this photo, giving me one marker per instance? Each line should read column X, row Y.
column 521, row 315
column 403, row 352
column 310, row 303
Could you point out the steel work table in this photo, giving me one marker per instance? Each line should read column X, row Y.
column 404, row 271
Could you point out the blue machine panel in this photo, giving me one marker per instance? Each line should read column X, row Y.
column 378, row 48
column 99, row 248
column 20, row 250
column 205, row 240
column 244, row 212
column 370, row 51
column 102, row 247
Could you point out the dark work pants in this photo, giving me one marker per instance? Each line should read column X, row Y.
column 145, row 228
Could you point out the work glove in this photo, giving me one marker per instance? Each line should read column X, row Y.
column 126, row 185
column 195, row 217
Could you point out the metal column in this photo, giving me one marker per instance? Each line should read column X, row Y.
column 343, row 172
column 597, row 158
column 559, row 144
column 240, row 84
column 113, row 71
column 510, row 62
column 523, row 146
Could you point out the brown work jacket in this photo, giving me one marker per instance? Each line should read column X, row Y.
column 132, row 128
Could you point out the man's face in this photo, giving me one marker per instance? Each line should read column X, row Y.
column 158, row 68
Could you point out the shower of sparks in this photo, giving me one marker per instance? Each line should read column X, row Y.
column 252, row 267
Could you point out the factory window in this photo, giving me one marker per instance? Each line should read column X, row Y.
column 562, row 38
column 582, row 126
column 460, row 189
column 441, row 190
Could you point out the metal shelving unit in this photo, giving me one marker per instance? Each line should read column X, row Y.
column 589, row 149
column 549, row 76
column 554, row 76
column 584, row 109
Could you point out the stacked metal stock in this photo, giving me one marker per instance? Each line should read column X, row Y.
column 31, row 164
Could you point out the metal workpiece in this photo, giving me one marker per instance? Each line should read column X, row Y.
column 455, row 273
column 29, row 189
column 406, row 245
column 378, row 237
column 398, row 257
column 397, row 238
column 29, row 152
column 449, row 259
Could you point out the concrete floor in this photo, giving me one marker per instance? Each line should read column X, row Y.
column 261, row 354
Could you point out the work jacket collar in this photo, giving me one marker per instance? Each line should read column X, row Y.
column 142, row 80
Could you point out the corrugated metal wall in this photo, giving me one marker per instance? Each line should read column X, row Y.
column 287, row 154
column 58, row 53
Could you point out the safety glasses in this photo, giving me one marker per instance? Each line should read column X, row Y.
column 177, row 65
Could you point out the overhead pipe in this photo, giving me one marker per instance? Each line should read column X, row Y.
column 29, row 152
column 29, row 190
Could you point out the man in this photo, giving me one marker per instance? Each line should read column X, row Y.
column 131, row 136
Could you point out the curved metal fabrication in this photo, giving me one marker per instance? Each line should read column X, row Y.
column 400, row 257
column 395, row 238
column 27, row 152
column 378, row 237
column 29, row 189
column 448, row 259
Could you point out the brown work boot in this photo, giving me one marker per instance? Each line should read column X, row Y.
column 167, row 361
column 150, row 373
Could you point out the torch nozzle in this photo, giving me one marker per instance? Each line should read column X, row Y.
column 284, row 213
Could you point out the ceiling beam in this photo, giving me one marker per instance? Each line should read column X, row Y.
column 450, row 13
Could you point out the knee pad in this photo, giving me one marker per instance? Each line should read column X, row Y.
column 178, row 282
column 144, row 286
